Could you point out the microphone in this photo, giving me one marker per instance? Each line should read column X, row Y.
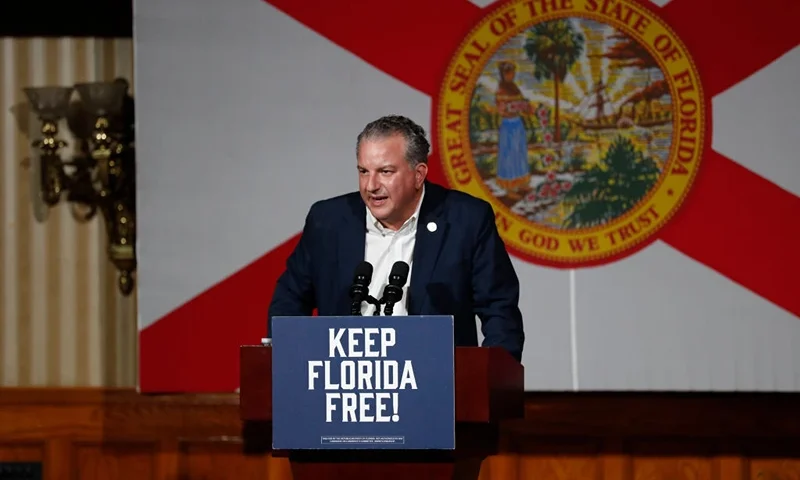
column 359, row 291
column 393, row 292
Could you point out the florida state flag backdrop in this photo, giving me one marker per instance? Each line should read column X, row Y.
column 639, row 154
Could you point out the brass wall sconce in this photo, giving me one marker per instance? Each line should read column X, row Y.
column 101, row 176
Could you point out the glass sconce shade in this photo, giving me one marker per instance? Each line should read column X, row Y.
column 102, row 98
column 49, row 103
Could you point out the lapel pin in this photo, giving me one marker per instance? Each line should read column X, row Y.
column 431, row 227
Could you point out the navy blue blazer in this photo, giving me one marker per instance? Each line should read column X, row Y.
column 461, row 269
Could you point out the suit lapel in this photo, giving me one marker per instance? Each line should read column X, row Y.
column 350, row 243
column 428, row 245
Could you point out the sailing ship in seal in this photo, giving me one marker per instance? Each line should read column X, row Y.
column 641, row 108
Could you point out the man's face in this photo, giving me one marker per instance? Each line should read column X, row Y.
column 388, row 184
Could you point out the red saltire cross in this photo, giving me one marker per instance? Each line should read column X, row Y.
column 733, row 220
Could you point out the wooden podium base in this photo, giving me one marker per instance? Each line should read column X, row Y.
column 489, row 389
column 350, row 465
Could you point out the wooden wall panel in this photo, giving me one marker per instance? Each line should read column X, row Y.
column 222, row 459
column 119, row 434
column 117, row 460
column 21, row 452
column 561, row 459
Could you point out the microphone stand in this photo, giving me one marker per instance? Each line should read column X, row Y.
column 395, row 294
column 389, row 308
column 374, row 301
column 355, row 308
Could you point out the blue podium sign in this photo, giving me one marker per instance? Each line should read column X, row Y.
column 370, row 382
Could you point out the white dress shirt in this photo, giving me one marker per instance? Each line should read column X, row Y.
column 383, row 247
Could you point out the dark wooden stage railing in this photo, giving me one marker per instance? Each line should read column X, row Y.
column 119, row 434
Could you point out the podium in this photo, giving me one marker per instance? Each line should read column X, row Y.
column 488, row 388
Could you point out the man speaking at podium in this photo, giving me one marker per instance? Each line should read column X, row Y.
column 404, row 246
